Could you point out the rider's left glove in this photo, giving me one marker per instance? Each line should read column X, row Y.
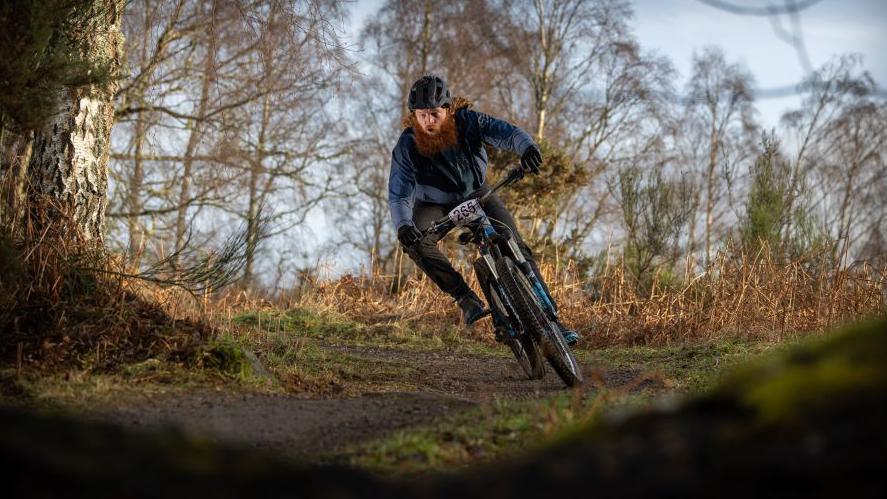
column 531, row 160
column 408, row 235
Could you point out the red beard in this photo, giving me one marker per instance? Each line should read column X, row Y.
column 445, row 138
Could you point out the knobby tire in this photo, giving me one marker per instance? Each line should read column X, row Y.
column 546, row 334
column 528, row 356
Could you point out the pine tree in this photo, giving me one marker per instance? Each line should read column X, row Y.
column 765, row 209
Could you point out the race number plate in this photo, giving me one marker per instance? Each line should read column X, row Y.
column 466, row 212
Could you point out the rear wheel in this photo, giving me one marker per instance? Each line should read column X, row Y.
column 522, row 345
column 536, row 322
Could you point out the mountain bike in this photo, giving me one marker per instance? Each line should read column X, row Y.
column 523, row 313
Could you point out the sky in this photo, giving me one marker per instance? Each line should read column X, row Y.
column 678, row 28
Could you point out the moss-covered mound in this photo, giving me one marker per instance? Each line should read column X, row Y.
column 807, row 422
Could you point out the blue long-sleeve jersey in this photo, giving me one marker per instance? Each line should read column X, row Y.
column 451, row 175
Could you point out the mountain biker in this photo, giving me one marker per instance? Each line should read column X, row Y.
column 438, row 161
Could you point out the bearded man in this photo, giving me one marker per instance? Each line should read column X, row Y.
column 438, row 161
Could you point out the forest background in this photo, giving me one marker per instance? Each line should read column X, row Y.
column 663, row 195
column 215, row 124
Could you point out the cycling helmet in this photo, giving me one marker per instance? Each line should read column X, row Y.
column 429, row 92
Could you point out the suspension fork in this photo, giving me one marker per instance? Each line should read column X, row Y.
column 536, row 281
column 490, row 253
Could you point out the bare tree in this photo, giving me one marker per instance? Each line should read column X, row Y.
column 172, row 53
column 719, row 136
column 287, row 137
column 838, row 170
column 226, row 102
column 554, row 47
column 620, row 119
column 588, row 90
column 158, row 32
column 364, row 201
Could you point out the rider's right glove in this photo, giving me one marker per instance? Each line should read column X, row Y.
column 531, row 160
column 408, row 235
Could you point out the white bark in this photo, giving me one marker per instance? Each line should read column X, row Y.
column 68, row 170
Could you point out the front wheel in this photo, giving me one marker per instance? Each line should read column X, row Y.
column 546, row 333
column 528, row 356
column 523, row 347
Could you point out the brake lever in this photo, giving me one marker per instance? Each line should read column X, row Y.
column 434, row 228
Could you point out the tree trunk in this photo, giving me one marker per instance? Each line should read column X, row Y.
column 134, row 200
column 542, row 76
column 426, row 35
column 16, row 152
column 710, row 186
column 256, row 197
column 137, row 176
column 68, row 171
column 209, row 75
column 692, row 243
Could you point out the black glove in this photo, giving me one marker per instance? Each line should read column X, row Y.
column 408, row 235
column 531, row 160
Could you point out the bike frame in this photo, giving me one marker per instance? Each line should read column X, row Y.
column 492, row 245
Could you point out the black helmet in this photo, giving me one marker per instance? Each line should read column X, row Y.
column 429, row 92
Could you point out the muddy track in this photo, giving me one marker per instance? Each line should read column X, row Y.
column 476, row 378
column 447, row 384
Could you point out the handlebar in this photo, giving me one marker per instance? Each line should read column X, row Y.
column 445, row 224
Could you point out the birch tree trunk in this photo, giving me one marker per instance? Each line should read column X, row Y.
column 137, row 175
column 256, row 196
column 196, row 129
column 68, row 169
column 136, row 183
column 710, row 174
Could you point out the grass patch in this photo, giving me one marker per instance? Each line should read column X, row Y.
column 295, row 346
column 82, row 389
column 300, row 351
column 689, row 367
column 502, row 428
column 301, row 321
column 219, row 363
column 336, row 329
column 477, row 435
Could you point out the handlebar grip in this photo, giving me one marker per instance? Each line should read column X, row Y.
column 437, row 226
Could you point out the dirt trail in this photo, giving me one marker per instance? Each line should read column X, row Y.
column 284, row 424
column 473, row 377
column 449, row 383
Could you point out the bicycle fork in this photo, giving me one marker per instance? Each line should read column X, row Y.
column 535, row 281
column 495, row 287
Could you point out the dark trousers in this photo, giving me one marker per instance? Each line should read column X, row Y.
column 437, row 266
